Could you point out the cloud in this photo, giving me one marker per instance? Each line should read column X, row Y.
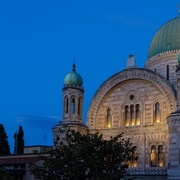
column 35, row 121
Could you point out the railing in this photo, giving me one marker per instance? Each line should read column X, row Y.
column 153, row 171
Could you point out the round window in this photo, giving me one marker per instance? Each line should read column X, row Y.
column 131, row 97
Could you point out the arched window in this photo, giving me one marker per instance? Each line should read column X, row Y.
column 73, row 105
column 66, row 104
column 138, row 118
column 108, row 119
column 132, row 115
column 79, row 106
column 161, row 156
column 126, row 117
column 167, row 72
column 135, row 157
column 153, row 157
column 133, row 162
column 157, row 113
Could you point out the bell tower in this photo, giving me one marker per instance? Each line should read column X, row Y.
column 73, row 98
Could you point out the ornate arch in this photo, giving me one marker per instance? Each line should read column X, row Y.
column 130, row 74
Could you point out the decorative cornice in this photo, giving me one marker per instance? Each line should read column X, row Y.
column 174, row 121
column 164, row 56
column 174, row 118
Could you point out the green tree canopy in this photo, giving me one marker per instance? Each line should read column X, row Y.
column 86, row 156
column 4, row 145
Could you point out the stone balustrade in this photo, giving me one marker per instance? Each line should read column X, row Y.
column 152, row 171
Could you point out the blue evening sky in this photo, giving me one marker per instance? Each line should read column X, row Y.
column 39, row 39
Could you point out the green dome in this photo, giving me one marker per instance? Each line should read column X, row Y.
column 166, row 38
column 73, row 78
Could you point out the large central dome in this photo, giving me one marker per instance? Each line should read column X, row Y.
column 167, row 38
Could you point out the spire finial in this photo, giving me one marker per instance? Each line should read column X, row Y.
column 74, row 66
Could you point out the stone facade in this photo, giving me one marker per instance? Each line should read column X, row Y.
column 73, row 99
column 145, row 86
column 143, row 103
column 133, row 88
column 174, row 144
column 160, row 62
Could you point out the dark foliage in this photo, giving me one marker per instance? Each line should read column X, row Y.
column 19, row 141
column 4, row 145
column 86, row 156
column 4, row 175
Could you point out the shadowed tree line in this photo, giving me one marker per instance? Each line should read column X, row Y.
column 77, row 156
column 86, row 156
column 19, row 141
column 4, row 145
column 5, row 148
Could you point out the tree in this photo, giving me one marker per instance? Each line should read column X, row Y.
column 19, row 141
column 4, row 145
column 4, row 174
column 86, row 156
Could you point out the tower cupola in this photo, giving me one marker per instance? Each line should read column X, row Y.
column 73, row 97
column 73, row 78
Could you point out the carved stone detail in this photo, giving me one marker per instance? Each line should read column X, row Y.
column 131, row 74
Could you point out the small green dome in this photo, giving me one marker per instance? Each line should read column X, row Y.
column 73, row 78
column 166, row 38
